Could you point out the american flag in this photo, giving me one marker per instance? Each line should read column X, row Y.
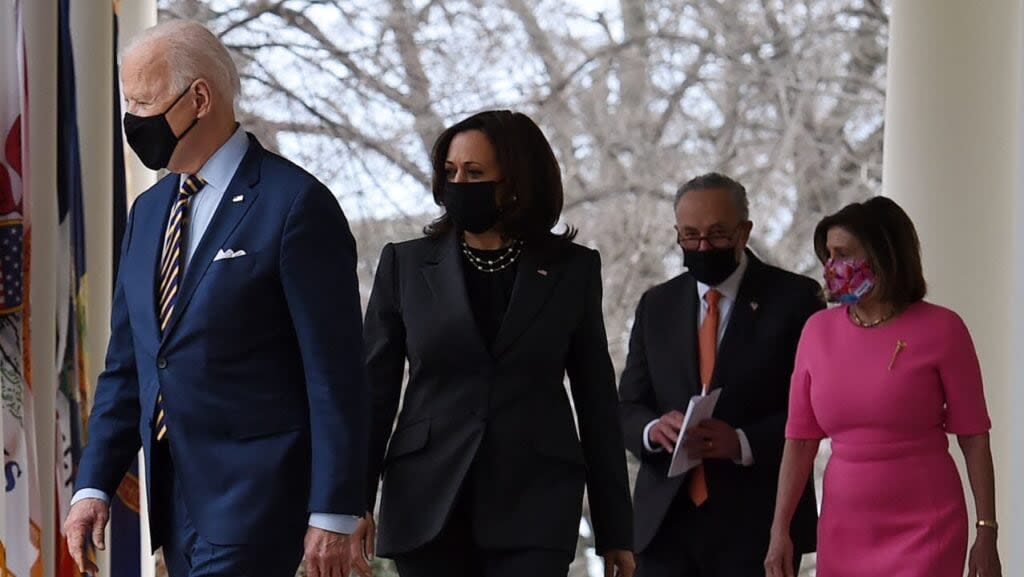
column 10, row 266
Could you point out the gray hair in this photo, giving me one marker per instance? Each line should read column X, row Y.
column 717, row 181
column 191, row 51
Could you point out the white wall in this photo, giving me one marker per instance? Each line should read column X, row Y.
column 41, row 57
column 952, row 144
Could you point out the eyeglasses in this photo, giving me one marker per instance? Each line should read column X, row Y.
column 715, row 240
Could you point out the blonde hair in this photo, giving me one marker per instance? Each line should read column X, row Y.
column 191, row 51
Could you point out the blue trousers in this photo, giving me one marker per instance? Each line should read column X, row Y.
column 189, row 554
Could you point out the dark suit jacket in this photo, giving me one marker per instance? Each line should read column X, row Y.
column 753, row 367
column 261, row 366
column 503, row 411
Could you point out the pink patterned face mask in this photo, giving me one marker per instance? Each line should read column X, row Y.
column 848, row 280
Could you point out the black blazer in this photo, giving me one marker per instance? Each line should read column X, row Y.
column 503, row 411
column 753, row 367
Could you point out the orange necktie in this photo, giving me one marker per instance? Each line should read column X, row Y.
column 707, row 345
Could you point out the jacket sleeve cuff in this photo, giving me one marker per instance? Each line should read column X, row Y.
column 343, row 524
column 647, row 438
column 83, row 494
column 746, row 455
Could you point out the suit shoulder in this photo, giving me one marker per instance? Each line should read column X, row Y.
column 149, row 195
column 670, row 289
column 414, row 244
column 414, row 249
column 280, row 170
column 792, row 282
column 576, row 251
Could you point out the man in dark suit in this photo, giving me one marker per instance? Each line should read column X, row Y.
column 235, row 355
column 729, row 322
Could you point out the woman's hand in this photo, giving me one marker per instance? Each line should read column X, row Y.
column 363, row 543
column 619, row 563
column 984, row 558
column 779, row 561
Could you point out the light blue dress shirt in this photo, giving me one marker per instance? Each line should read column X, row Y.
column 218, row 172
column 730, row 290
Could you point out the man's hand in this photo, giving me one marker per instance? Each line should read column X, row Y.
column 86, row 519
column 327, row 554
column 665, row 432
column 619, row 563
column 713, row 439
column 362, row 545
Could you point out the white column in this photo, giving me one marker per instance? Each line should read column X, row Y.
column 135, row 16
column 92, row 41
column 41, row 56
column 952, row 141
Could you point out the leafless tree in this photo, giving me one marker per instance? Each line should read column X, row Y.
column 785, row 95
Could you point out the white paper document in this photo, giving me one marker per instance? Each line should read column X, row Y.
column 700, row 408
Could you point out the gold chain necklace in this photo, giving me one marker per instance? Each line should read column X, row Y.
column 870, row 324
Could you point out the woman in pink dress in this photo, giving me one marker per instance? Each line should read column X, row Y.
column 887, row 376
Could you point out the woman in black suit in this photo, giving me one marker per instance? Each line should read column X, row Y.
column 484, row 474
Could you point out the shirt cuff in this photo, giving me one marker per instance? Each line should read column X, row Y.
column 83, row 494
column 344, row 524
column 746, row 455
column 647, row 438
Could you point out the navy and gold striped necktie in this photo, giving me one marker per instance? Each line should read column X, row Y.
column 175, row 247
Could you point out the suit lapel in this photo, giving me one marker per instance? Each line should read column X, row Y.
column 682, row 315
column 225, row 219
column 443, row 274
column 536, row 277
column 741, row 320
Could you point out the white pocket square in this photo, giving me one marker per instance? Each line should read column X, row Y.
column 224, row 254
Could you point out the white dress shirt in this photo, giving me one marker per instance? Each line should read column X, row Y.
column 730, row 290
column 218, row 172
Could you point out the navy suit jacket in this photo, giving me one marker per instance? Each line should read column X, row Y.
column 261, row 366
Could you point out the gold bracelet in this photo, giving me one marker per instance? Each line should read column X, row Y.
column 989, row 524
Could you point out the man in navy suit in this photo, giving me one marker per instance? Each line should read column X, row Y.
column 235, row 358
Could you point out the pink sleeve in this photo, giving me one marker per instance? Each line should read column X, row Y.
column 961, row 381
column 802, row 423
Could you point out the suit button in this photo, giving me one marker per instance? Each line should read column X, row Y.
column 161, row 363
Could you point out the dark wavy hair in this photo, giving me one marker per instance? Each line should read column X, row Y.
column 891, row 243
column 530, row 196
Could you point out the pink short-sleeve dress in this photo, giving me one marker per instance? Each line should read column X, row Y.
column 893, row 502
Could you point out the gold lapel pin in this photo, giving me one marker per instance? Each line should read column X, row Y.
column 900, row 345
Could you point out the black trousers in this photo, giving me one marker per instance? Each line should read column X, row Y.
column 687, row 546
column 455, row 553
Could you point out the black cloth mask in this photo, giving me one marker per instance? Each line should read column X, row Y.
column 152, row 138
column 713, row 266
column 472, row 206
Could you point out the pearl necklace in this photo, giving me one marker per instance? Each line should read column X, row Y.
column 501, row 262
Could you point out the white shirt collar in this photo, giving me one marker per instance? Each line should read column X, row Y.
column 221, row 167
column 730, row 287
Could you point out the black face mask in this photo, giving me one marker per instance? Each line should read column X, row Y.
column 152, row 138
column 472, row 206
column 713, row 266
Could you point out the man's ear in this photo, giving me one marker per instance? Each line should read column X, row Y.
column 202, row 95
